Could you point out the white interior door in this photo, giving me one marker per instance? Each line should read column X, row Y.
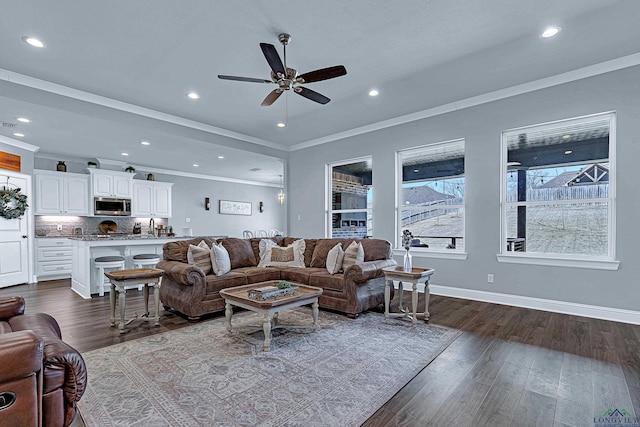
column 14, row 241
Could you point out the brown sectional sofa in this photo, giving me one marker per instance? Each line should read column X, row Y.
column 185, row 288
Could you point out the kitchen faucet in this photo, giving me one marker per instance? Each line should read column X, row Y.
column 152, row 226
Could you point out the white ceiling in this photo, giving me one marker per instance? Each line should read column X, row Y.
column 115, row 73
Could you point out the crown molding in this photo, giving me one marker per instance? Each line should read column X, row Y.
column 203, row 176
column 46, row 86
column 18, row 144
column 547, row 82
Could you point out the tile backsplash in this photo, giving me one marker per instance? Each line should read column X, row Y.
column 48, row 225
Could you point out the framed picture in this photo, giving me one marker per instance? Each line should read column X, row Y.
column 229, row 207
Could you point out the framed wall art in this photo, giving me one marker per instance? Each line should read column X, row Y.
column 229, row 207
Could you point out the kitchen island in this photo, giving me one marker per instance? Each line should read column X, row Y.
column 84, row 250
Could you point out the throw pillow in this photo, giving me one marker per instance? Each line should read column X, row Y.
column 335, row 258
column 272, row 255
column 220, row 261
column 200, row 256
column 352, row 255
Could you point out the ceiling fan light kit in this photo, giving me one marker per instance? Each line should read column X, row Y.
column 287, row 78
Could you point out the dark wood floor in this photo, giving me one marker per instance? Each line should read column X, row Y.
column 511, row 366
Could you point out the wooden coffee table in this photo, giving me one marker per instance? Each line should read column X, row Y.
column 269, row 309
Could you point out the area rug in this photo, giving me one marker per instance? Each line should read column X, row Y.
column 200, row 375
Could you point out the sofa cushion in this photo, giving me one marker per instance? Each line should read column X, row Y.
column 335, row 258
column 309, row 247
column 325, row 280
column 220, row 261
column 259, row 274
column 272, row 255
column 200, row 256
column 376, row 249
column 240, row 252
column 354, row 254
column 323, row 246
column 229, row 280
column 177, row 251
column 297, row 274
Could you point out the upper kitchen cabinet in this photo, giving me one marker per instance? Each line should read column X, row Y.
column 106, row 183
column 61, row 193
column 151, row 199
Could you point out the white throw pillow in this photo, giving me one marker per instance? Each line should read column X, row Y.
column 220, row 261
column 273, row 255
column 335, row 258
column 200, row 256
column 354, row 254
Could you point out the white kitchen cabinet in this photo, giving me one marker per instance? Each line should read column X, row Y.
column 61, row 193
column 106, row 183
column 151, row 199
column 53, row 258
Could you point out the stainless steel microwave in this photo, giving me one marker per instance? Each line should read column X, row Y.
column 111, row 207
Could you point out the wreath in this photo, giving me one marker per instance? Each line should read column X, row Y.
column 12, row 203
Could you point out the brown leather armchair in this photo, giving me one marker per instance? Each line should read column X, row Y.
column 41, row 377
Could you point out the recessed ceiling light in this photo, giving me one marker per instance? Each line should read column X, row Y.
column 33, row 41
column 195, row 165
column 18, row 134
column 550, row 32
column 566, row 136
column 281, row 125
column 145, row 143
column 416, row 170
column 193, row 95
column 23, row 120
column 373, row 92
column 221, row 157
column 568, row 152
column 513, row 163
column 124, row 154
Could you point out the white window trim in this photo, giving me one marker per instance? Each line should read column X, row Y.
column 607, row 262
column 426, row 252
column 417, row 252
column 328, row 212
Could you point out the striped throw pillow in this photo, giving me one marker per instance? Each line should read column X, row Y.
column 200, row 256
column 354, row 254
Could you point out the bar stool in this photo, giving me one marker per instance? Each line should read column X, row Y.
column 145, row 260
column 114, row 262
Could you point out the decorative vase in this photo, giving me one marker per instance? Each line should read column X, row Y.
column 61, row 167
column 408, row 265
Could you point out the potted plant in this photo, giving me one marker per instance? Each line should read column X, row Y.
column 130, row 169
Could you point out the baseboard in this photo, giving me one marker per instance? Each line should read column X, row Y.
column 596, row 312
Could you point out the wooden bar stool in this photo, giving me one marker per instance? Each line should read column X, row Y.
column 145, row 260
column 120, row 280
column 113, row 262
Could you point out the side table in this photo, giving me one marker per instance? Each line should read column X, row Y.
column 120, row 279
column 416, row 276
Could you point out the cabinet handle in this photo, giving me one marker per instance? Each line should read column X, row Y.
column 24, row 236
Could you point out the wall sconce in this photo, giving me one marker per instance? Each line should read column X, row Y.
column 207, row 204
column 261, row 207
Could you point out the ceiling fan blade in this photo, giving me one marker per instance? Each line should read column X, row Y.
column 272, row 57
column 312, row 95
column 243, row 79
column 322, row 74
column 271, row 98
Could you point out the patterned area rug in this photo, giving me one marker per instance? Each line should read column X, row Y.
column 202, row 376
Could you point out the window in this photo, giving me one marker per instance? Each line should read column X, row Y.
column 349, row 214
column 558, row 188
column 431, row 198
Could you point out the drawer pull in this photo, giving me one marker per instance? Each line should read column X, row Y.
column 60, row 253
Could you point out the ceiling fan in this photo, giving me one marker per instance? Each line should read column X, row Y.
column 289, row 79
